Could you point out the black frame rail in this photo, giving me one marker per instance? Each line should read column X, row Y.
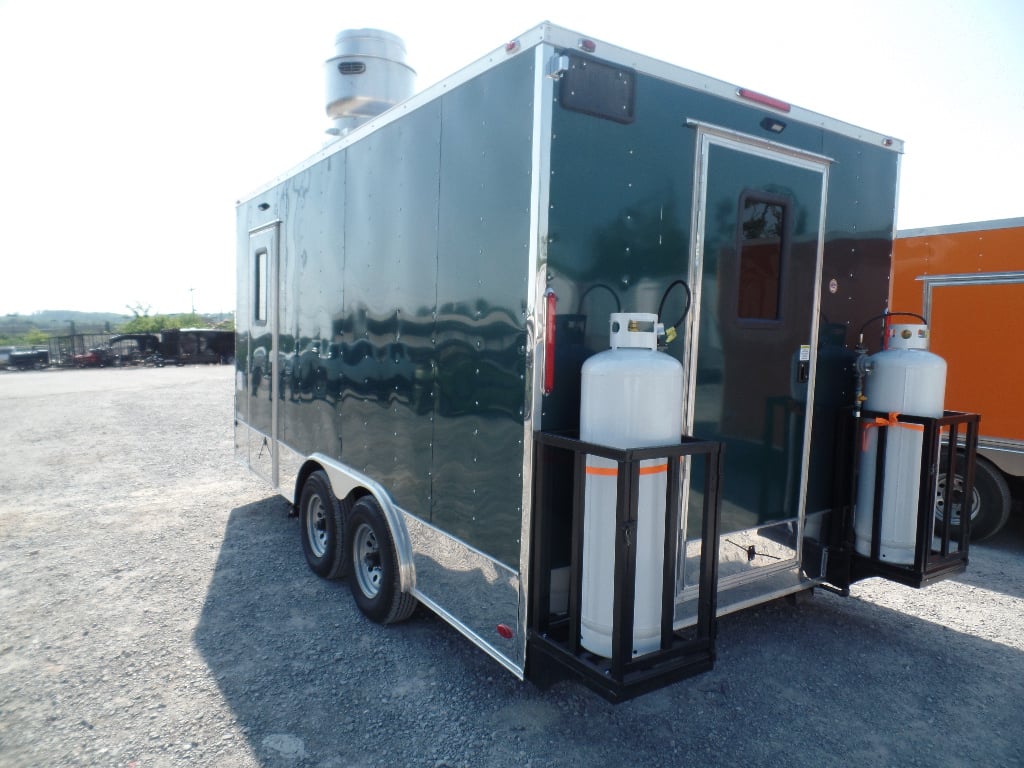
column 937, row 554
column 554, row 640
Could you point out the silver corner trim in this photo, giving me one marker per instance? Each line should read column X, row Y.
column 536, row 270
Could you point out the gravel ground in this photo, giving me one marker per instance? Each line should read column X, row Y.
column 155, row 610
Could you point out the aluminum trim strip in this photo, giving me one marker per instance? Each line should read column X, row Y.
column 809, row 410
column 954, row 229
column 290, row 464
column 1001, row 444
column 475, row 639
column 804, row 584
column 485, row 591
column 263, row 227
column 709, row 135
column 568, row 39
column 771, row 149
column 1007, row 455
column 536, row 270
column 344, row 480
column 930, row 282
column 973, row 278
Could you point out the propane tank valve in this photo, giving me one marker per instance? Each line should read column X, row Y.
column 862, row 369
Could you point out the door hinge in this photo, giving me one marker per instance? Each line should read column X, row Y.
column 558, row 65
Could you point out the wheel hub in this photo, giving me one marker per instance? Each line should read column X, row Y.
column 316, row 526
column 368, row 569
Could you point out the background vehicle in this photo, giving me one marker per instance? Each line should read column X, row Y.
column 27, row 359
column 97, row 357
column 968, row 280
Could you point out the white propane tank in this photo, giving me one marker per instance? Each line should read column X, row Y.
column 909, row 380
column 632, row 397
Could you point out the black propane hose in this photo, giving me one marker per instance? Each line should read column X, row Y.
column 618, row 304
column 670, row 332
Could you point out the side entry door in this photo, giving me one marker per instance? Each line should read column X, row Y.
column 756, row 254
column 263, row 374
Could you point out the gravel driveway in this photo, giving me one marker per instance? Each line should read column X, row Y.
column 156, row 610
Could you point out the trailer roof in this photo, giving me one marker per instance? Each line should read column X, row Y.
column 971, row 226
column 562, row 38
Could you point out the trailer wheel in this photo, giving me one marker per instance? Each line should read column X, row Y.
column 989, row 504
column 322, row 527
column 375, row 584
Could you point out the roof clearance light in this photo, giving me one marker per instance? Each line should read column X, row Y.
column 760, row 98
column 588, row 46
column 511, row 46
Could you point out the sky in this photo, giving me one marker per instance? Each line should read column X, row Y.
column 129, row 128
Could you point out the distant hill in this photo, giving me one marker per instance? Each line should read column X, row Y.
column 57, row 322
column 58, row 319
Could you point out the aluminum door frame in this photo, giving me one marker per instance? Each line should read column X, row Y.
column 268, row 237
column 708, row 135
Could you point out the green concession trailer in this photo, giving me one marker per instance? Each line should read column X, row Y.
column 416, row 303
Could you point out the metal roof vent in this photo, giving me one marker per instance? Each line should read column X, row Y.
column 366, row 76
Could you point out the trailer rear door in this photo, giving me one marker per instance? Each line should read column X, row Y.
column 755, row 271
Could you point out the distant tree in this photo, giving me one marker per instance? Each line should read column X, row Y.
column 36, row 337
column 138, row 310
column 190, row 320
column 144, row 323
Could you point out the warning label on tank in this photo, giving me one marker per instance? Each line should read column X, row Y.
column 805, row 353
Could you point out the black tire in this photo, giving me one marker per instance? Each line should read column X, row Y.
column 990, row 502
column 322, row 525
column 375, row 581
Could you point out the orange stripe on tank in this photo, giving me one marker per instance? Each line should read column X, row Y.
column 613, row 471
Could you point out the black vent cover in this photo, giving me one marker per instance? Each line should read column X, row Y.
column 599, row 89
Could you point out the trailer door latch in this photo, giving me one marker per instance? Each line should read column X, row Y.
column 627, row 529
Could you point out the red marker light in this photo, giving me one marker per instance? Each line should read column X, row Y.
column 505, row 631
column 760, row 98
column 549, row 341
column 589, row 46
column 511, row 46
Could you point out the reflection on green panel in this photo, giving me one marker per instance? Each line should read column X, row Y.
column 482, row 281
column 619, row 222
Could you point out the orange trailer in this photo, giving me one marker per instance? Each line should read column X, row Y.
column 968, row 281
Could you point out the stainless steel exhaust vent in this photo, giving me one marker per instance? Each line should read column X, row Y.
column 366, row 76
